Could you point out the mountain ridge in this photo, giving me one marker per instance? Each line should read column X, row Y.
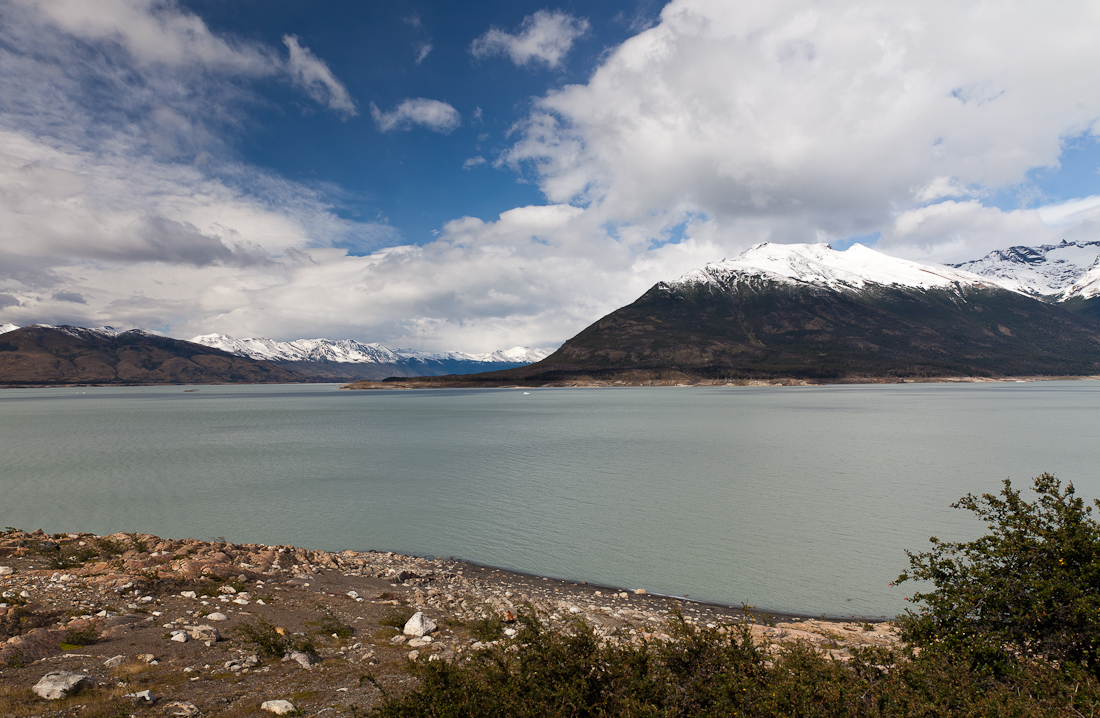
column 811, row 312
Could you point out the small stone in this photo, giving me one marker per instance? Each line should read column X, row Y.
column 510, row 632
column 6, row 570
column 217, row 616
column 227, row 590
column 639, row 592
column 189, row 594
column 59, row 684
column 142, row 697
column 114, row 661
column 146, row 599
column 183, row 708
column 179, row 636
column 398, row 639
column 413, row 655
column 352, row 594
column 279, row 708
column 419, row 625
column 146, row 657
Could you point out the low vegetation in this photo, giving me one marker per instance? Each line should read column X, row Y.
column 1008, row 626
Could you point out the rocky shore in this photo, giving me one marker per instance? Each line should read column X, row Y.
column 134, row 624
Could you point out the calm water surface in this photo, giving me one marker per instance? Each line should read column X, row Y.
column 800, row 499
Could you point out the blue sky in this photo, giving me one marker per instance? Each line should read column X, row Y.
column 472, row 177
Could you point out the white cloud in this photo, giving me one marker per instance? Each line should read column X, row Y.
column 543, row 37
column 422, row 51
column 817, row 118
column 435, row 115
column 316, row 79
column 473, row 162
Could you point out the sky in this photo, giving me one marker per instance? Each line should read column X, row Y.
column 477, row 176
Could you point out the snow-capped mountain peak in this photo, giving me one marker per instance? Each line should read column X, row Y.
column 5, row 328
column 821, row 265
column 1055, row 271
column 349, row 351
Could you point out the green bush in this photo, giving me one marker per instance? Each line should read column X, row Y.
column 705, row 672
column 266, row 639
column 1028, row 588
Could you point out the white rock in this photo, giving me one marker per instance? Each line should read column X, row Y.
column 352, row 594
column 279, row 708
column 227, row 589
column 189, row 594
column 179, row 636
column 240, row 601
column 419, row 625
column 205, row 633
column 59, row 684
column 6, row 570
column 639, row 592
column 303, row 659
column 114, row 661
column 217, row 616
column 183, row 708
column 145, row 697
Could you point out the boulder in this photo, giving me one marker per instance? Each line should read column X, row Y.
column 303, row 659
column 217, row 616
column 59, row 684
column 279, row 707
column 419, row 625
column 205, row 633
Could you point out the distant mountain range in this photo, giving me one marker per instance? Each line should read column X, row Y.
column 48, row 355
column 43, row 354
column 347, row 358
column 808, row 311
column 1066, row 273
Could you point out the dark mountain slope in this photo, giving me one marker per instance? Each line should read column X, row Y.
column 41, row 355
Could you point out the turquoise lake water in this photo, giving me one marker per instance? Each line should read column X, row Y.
column 788, row 498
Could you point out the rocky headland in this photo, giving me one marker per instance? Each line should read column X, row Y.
column 134, row 624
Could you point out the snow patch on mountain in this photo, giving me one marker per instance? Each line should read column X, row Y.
column 515, row 355
column 349, row 351
column 1052, row 271
column 344, row 351
column 5, row 328
column 821, row 265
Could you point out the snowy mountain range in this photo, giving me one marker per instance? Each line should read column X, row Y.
column 353, row 352
column 811, row 312
column 1056, row 272
column 820, row 265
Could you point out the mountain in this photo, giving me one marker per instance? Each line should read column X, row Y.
column 348, row 359
column 810, row 312
column 44, row 355
column 1067, row 273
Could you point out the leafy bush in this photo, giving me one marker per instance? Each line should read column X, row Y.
column 268, row 641
column 487, row 629
column 1028, row 588
column 330, row 625
column 704, row 672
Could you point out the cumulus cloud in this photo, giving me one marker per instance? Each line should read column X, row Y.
column 472, row 162
column 814, row 119
column 544, row 37
column 435, row 115
column 312, row 75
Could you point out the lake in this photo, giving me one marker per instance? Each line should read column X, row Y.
column 798, row 499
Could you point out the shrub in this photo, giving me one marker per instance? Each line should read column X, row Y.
column 1028, row 588
column 267, row 640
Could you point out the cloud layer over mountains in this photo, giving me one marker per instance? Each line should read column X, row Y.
column 123, row 201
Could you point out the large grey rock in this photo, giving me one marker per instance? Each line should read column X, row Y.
column 217, row 616
column 419, row 625
column 114, row 661
column 205, row 633
column 279, row 707
column 303, row 659
column 59, row 684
